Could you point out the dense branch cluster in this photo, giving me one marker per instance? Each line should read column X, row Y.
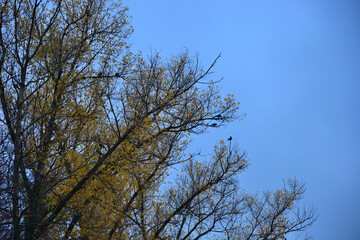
column 91, row 134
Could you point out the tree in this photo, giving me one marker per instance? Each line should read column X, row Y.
column 93, row 135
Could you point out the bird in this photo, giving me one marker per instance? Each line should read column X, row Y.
column 218, row 116
column 213, row 125
column 117, row 74
column 230, row 138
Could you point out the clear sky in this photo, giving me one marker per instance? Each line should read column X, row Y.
column 295, row 68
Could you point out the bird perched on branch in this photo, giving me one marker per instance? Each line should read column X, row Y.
column 218, row 116
column 213, row 125
column 230, row 138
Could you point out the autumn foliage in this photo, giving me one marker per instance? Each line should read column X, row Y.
column 94, row 137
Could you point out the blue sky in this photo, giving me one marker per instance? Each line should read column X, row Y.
column 295, row 68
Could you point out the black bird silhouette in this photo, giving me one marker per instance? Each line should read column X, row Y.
column 117, row 74
column 218, row 116
column 230, row 138
column 213, row 125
